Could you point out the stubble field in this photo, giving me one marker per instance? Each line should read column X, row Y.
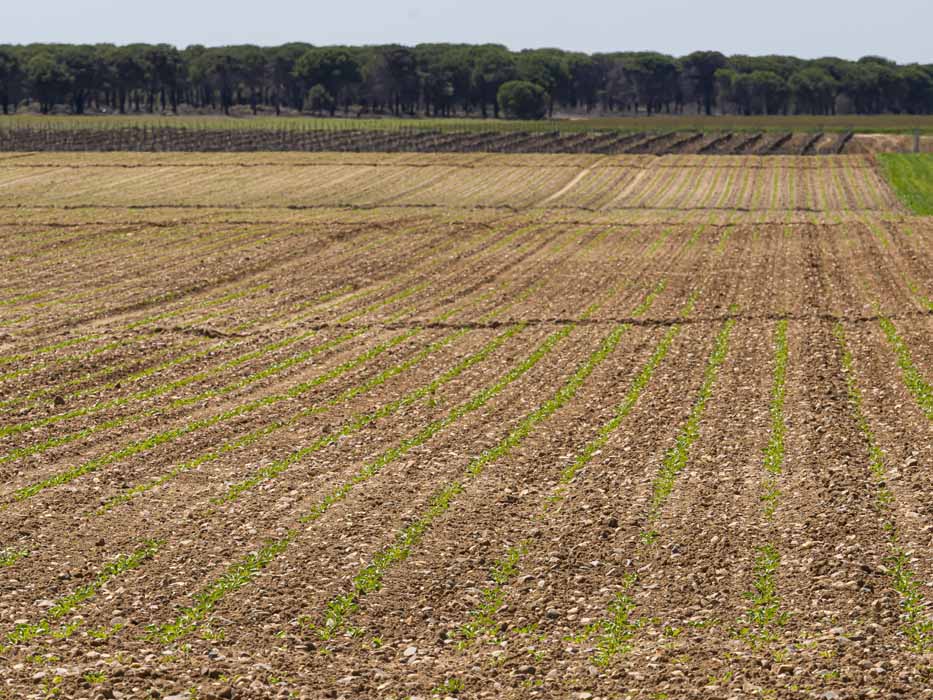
column 363, row 425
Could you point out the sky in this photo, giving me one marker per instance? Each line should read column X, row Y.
column 897, row 29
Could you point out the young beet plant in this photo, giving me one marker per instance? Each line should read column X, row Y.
column 483, row 621
column 916, row 623
column 764, row 614
column 63, row 606
column 369, row 580
column 615, row 631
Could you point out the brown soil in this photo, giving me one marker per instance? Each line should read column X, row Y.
column 170, row 139
column 395, row 368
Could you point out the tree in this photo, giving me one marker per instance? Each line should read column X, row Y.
column 769, row 92
column 520, row 99
column 127, row 70
column 444, row 79
column 253, row 72
column 286, row 86
column 334, row 69
column 814, row 91
column 401, row 67
column 548, row 69
column 726, row 87
column 586, row 78
column 219, row 70
column 492, row 66
column 701, row 67
column 318, row 100
column 200, row 92
column 49, row 79
column 654, row 78
column 918, row 89
column 164, row 70
column 758, row 92
column 11, row 76
column 81, row 63
column 444, row 74
column 862, row 84
column 618, row 90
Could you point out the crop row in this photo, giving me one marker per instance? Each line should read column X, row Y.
column 420, row 139
column 916, row 622
column 113, row 282
column 243, row 571
column 355, row 423
column 483, row 620
column 337, row 612
column 369, row 579
column 747, row 188
column 614, row 631
column 24, row 632
column 156, row 439
column 473, row 359
column 290, row 317
column 789, row 185
column 765, row 610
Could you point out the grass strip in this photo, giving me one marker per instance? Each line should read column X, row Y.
column 911, row 176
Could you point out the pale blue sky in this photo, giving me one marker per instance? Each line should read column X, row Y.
column 898, row 29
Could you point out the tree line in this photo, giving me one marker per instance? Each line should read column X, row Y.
column 442, row 80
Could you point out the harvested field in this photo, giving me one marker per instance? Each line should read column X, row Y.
column 392, row 425
column 585, row 182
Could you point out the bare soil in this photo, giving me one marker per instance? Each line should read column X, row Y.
column 255, row 450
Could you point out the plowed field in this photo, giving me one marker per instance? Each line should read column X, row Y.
column 569, row 426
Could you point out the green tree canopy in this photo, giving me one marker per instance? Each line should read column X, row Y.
column 520, row 99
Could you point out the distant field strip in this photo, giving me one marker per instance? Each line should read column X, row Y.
column 363, row 180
